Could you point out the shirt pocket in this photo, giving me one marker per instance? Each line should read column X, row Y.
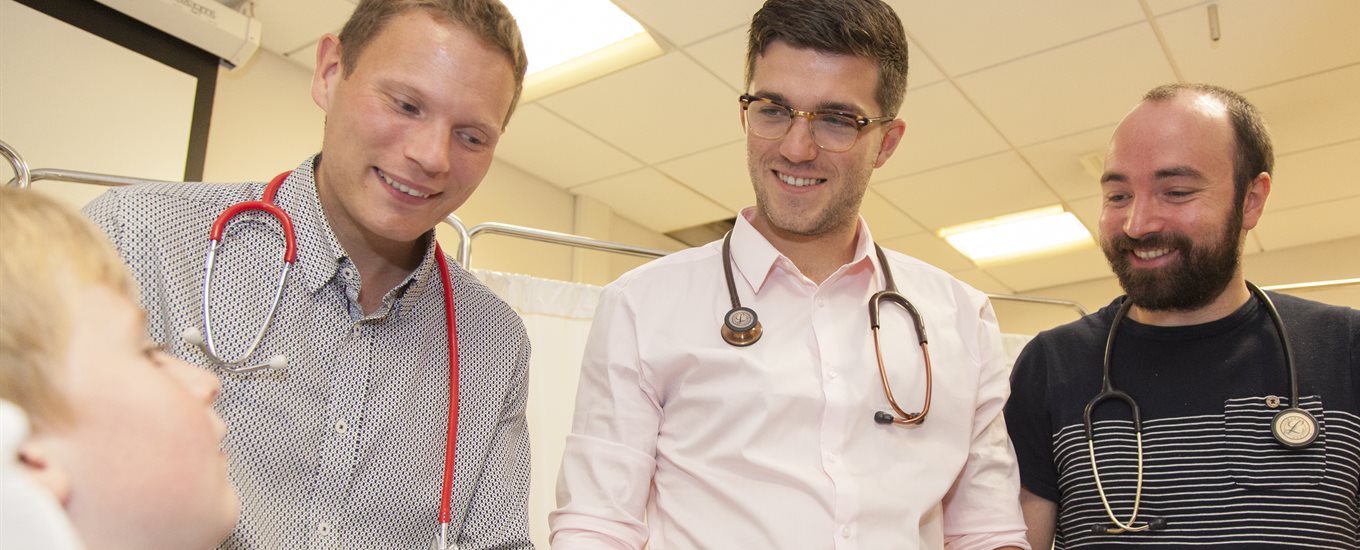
column 1256, row 460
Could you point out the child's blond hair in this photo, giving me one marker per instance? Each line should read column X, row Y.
column 46, row 250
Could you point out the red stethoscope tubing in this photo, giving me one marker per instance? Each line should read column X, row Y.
column 451, row 441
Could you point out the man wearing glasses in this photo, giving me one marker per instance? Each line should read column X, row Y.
column 729, row 396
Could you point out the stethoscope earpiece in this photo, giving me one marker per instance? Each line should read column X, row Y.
column 741, row 327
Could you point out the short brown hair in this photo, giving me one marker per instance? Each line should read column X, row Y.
column 48, row 250
column 1253, row 152
column 488, row 19
column 862, row 28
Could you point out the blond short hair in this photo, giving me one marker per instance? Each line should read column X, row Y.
column 488, row 19
column 46, row 250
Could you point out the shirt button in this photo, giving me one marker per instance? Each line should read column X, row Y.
column 832, row 374
column 347, row 273
column 845, row 532
column 342, row 427
column 323, row 528
column 832, row 458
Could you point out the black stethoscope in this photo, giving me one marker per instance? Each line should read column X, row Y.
column 204, row 340
column 1293, row 427
column 741, row 328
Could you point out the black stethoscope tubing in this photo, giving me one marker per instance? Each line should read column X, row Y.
column 1293, row 427
column 741, row 327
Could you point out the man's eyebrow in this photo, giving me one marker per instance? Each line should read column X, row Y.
column 1178, row 171
column 777, row 98
column 824, row 107
column 1108, row 177
column 836, row 107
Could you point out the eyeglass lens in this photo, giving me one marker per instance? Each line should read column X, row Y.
column 830, row 131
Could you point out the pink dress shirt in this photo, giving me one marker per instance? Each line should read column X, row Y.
column 680, row 440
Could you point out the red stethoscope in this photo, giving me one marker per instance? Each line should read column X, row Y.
column 204, row 340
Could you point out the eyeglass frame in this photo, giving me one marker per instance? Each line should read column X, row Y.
column 861, row 121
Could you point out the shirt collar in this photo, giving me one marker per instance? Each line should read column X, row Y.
column 755, row 258
column 319, row 252
column 318, row 267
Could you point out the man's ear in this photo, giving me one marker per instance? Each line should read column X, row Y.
column 328, row 71
column 1254, row 203
column 891, row 139
column 35, row 458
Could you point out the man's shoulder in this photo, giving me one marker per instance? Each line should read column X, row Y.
column 151, row 201
column 485, row 305
column 920, row 272
column 672, row 267
column 1294, row 307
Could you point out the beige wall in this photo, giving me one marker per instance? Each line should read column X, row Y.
column 264, row 122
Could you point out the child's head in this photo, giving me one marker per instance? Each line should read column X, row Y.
column 123, row 434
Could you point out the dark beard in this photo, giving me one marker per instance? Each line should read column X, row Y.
column 1200, row 275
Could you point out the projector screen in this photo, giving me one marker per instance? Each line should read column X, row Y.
column 75, row 100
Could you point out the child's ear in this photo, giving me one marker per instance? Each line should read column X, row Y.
column 36, row 459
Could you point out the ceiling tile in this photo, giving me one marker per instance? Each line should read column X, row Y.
column 980, row 280
column 921, row 70
column 966, row 36
column 1263, row 41
column 719, row 173
column 1160, row 7
column 1312, row 177
column 659, row 110
column 287, row 26
column 534, row 142
column 1059, row 162
column 1309, row 224
column 942, row 128
column 885, row 220
column 1088, row 211
column 683, row 23
column 1037, row 98
column 1082, row 264
column 932, row 250
column 725, row 55
column 1308, row 112
column 970, row 191
column 653, row 200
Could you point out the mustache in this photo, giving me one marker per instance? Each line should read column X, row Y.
column 1124, row 243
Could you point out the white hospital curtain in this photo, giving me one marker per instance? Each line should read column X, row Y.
column 1013, row 343
column 557, row 315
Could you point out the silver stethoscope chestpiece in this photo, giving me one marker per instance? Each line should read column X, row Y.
column 740, row 319
column 1294, row 427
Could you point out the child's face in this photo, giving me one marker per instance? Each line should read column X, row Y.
column 143, row 457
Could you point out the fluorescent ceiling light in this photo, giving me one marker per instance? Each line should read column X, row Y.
column 572, row 41
column 1033, row 232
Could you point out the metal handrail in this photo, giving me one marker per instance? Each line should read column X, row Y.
column 551, row 237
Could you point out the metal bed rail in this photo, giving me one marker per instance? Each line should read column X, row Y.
column 553, row 237
column 24, row 177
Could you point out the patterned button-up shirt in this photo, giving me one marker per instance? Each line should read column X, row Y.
column 345, row 447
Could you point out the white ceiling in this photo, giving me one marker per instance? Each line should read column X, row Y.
column 1006, row 96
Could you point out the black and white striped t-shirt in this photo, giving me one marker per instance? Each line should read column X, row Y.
column 1211, row 468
